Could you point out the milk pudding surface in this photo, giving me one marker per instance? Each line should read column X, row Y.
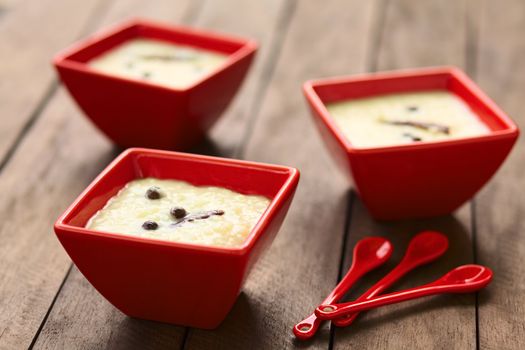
column 405, row 118
column 177, row 211
column 160, row 62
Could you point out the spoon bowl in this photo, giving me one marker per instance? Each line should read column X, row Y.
column 423, row 248
column 466, row 278
column 371, row 252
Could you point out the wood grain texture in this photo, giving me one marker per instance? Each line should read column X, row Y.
column 83, row 319
column 301, row 266
column 34, row 191
column 42, row 177
column 422, row 33
column 264, row 21
column 500, row 207
column 30, row 274
column 30, row 35
column 416, row 34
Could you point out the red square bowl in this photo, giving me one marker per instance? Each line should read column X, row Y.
column 185, row 284
column 417, row 180
column 132, row 112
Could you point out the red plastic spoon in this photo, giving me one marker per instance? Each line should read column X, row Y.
column 423, row 248
column 462, row 279
column 369, row 253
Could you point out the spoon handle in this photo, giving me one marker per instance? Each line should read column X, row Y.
column 463, row 279
column 308, row 327
column 383, row 284
column 331, row 311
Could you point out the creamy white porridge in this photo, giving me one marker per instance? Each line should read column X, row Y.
column 160, row 62
column 177, row 211
column 405, row 118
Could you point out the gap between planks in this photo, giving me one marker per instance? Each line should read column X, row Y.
column 283, row 24
column 49, row 92
column 472, row 23
column 344, row 248
column 372, row 62
column 41, row 105
column 39, row 330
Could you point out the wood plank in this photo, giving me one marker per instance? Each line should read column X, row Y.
column 264, row 22
column 500, row 222
column 33, row 262
column 25, row 292
column 416, row 34
column 301, row 266
column 83, row 319
column 27, row 77
column 53, row 162
column 425, row 33
column 72, row 313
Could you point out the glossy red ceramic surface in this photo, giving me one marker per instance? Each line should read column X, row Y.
column 137, row 113
column 369, row 253
column 417, row 180
column 178, row 283
column 425, row 247
column 462, row 279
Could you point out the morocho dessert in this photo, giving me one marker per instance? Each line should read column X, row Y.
column 177, row 211
column 405, row 118
column 160, row 62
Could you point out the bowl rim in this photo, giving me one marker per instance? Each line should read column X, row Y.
column 510, row 129
column 63, row 58
column 286, row 190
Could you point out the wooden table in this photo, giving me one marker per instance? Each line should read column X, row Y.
column 49, row 152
